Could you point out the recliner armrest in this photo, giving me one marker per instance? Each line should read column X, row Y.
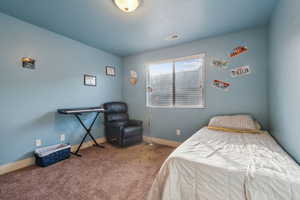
column 115, row 124
column 135, row 123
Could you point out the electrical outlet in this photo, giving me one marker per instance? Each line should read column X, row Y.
column 178, row 132
column 62, row 137
column 38, row 142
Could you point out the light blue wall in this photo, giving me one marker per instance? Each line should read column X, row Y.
column 29, row 99
column 284, row 73
column 247, row 94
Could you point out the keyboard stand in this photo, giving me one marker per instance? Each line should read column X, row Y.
column 88, row 133
column 77, row 112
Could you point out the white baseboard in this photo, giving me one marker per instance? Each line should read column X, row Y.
column 10, row 167
column 87, row 144
column 16, row 165
column 162, row 141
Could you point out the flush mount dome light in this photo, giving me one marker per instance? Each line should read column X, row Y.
column 127, row 5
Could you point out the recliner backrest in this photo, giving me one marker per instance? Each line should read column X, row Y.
column 115, row 111
column 115, row 107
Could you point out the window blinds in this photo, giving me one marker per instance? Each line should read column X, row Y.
column 188, row 82
column 176, row 83
column 160, row 92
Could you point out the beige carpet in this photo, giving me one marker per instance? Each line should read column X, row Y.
column 103, row 174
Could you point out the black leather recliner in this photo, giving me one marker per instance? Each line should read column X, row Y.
column 119, row 130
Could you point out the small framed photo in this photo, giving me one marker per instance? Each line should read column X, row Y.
column 28, row 63
column 110, row 71
column 90, row 80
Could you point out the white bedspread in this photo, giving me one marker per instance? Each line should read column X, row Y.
column 214, row 165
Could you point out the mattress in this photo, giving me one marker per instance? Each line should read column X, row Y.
column 215, row 165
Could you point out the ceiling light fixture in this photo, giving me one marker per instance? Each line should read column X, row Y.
column 127, row 5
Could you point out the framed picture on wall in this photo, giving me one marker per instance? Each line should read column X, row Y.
column 110, row 71
column 90, row 80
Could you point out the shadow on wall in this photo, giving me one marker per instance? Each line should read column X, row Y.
column 59, row 124
column 62, row 123
column 69, row 125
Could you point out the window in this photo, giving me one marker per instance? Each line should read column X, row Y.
column 176, row 83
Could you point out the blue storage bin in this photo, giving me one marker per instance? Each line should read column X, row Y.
column 49, row 155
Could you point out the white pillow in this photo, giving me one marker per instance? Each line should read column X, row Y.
column 233, row 121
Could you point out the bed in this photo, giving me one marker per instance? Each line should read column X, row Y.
column 219, row 165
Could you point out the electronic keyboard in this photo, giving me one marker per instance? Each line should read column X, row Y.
column 80, row 110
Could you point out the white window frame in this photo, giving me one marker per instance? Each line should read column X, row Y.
column 200, row 55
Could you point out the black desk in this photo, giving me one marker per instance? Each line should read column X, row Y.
column 77, row 112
